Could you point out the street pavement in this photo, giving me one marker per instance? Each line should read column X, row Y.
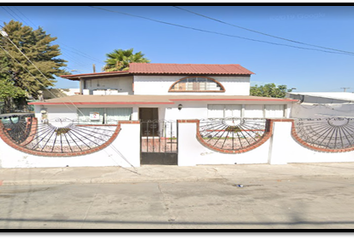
column 156, row 173
column 259, row 196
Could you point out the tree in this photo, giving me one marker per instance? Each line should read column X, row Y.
column 7, row 89
column 35, row 45
column 119, row 60
column 8, row 92
column 269, row 90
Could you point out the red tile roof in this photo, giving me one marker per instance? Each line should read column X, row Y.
column 170, row 68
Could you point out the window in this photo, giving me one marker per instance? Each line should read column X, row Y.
column 103, row 115
column 254, row 111
column 197, row 84
column 224, row 110
column 274, row 111
column 246, row 111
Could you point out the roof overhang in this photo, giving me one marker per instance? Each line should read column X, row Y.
column 170, row 69
column 78, row 77
column 154, row 99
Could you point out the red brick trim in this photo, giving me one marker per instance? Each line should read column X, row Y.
column 20, row 147
column 235, row 99
column 262, row 140
column 97, row 103
column 33, row 130
column 296, row 137
column 268, row 133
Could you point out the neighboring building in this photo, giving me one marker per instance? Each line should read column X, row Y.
column 322, row 97
column 322, row 104
column 149, row 91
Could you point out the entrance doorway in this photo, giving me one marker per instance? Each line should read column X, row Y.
column 158, row 138
column 150, row 117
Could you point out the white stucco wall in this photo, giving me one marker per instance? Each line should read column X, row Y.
column 159, row 85
column 124, row 151
column 122, row 84
column 281, row 148
column 285, row 149
column 191, row 152
column 190, row 110
column 56, row 111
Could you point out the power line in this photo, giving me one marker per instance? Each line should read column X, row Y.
column 5, row 35
column 8, row 11
column 74, row 50
column 265, row 34
column 218, row 33
column 33, row 24
column 345, row 88
column 112, row 146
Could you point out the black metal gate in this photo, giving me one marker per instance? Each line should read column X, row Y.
column 158, row 142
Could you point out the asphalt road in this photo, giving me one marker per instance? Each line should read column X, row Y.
column 311, row 202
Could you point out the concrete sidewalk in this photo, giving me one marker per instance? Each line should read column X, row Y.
column 156, row 173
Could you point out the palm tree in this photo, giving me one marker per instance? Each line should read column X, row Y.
column 119, row 60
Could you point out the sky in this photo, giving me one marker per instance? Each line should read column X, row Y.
column 309, row 48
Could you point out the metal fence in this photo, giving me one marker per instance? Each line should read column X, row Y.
column 232, row 133
column 159, row 142
column 326, row 133
column 55, row 136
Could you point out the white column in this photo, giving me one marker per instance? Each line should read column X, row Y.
column 280, row 143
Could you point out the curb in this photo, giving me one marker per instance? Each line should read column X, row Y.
column 107, row 181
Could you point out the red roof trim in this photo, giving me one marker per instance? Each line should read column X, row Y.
column 238, row 99
column 172, row 101
column 96, row 103
column 77, row 76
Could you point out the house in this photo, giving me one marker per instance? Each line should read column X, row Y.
column 152, row 91
column 194, row 114
column 322, row 104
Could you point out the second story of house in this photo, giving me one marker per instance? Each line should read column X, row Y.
column 168, row 79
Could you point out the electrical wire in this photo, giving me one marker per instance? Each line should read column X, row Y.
column 262, row 33
column 7, row 37
column 25, row 16
column 68, row 56
column 218, row 33
column 34, row 76
column 13, row 14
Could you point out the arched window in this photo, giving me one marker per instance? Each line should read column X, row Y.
column 197, row 84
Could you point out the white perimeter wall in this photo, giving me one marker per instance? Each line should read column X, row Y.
column 159, row 85
column 286, row 150
column 123, row 151
column 281, row 148
column 191, row 152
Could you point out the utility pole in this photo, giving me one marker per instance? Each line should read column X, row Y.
column 345, row 88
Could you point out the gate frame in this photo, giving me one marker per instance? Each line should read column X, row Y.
column 159, row 157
